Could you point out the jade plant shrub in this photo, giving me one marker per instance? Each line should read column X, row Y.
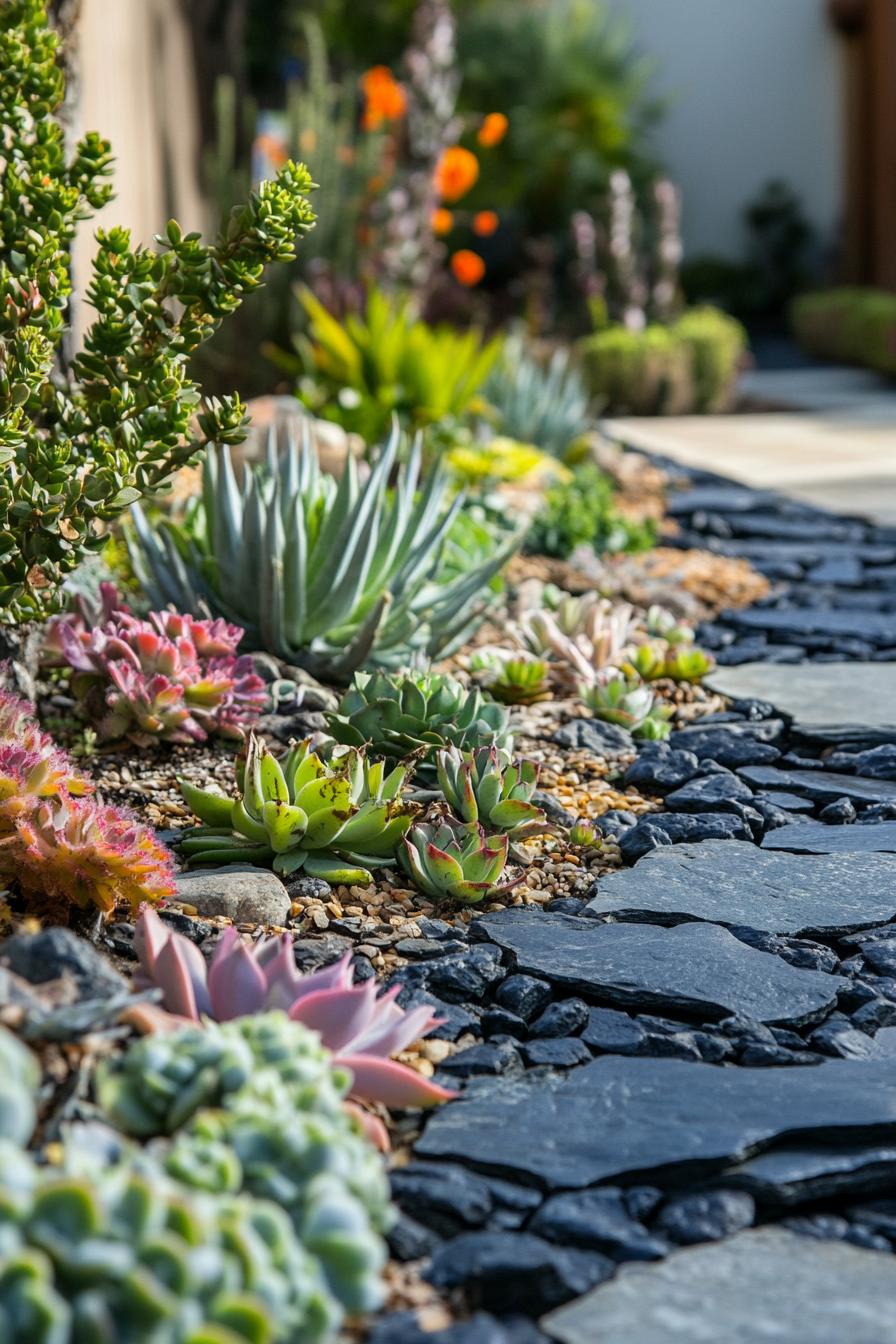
column 328, row 576
column 125, row 1254
column 386, row 361
column 581, row 511
column 334, row 819
column 848, row 325
column 257, row 1106
column 360, row 1027
column 416, row 715
column 58, row 845
column 171, row 677
column 691, row 365
column 78, row 446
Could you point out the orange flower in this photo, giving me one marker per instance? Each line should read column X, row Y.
column 467, row 267
column 272, row 149
column 485, row 223
column 493, row 129
column 384, row 98
column 442, row 222
column 456, row 172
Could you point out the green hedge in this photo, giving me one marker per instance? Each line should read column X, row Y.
column 848, row 326
column 689, row 366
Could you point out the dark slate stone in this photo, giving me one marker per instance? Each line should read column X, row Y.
column 797, row 622
column 711, row 793
column 661, row 772
column 480, row 1328
column 822, row 786
column 493, row 1058
column 566, row 905
column 659, row 829
column 693, row 970
column 559, row 1052
column 814, row 837
column 603, row 739
column 567, row 1017
column 408, row 1240
column 877, row 763
column 664, row 1119
column 706, row 1216
column 53, row 953
column 725, row 745
column 499, row 1022
column 741, row 885
column 552, row 809
column 839, row 813
column 614, row 822
column 766, row 1283
column 609, row 1031
column 447, row 1199
column 717, row 499
column 523, row 995
column 795, row 1175
column 597, row 1220
column 842, row 1040
column 515, row 1271
column 880, row 954
column 845, row 570
column 455, row 1021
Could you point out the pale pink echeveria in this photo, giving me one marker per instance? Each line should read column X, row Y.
column 361, row 1027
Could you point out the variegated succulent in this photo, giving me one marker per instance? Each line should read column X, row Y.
column 416, row 714
column 453, row 861
column 615, row 698
column 513, row 678
column 171, row 677
column 361, row 1028
column 487, row 787
column 334, row 819
column 329, row 577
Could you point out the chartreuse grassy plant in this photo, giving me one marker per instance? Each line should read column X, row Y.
column 328, row 576
column 386, row 361
column 333, row 819
column 77, row 447
column 417, row 714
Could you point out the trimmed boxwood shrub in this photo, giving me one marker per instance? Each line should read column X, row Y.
column 848, row 326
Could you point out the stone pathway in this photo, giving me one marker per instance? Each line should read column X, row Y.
column 679, row 1122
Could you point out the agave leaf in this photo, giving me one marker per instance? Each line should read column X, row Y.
column 335, row 871
column 245, row 824
column 286, row 826
column 273, row 782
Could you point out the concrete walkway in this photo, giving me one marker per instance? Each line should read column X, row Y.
column 830, row 439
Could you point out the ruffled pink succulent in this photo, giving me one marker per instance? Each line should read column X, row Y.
column 171, row 676
column 87, row 615
column 361, row 1028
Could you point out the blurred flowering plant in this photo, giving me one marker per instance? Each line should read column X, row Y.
column 55, row 840
column 361, row 1028
column 171, row 677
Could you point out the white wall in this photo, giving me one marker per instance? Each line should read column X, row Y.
column 754, row 90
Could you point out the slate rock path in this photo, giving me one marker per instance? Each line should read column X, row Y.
column 679, row 1119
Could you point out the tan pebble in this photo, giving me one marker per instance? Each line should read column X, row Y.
column 355, row 911
column 436, row 1051
column 367, row 950
column 334, row 909
column 359, row 893
column 319, row 919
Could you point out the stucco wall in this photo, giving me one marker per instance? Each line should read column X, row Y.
column 754, row 90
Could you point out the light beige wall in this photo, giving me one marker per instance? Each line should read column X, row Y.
column 137, row 89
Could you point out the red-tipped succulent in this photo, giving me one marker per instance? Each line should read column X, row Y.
column 171, row 677
column 360, row 1027
column 60, row 844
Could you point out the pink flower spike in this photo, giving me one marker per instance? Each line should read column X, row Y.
column 338, row 1015
column 393, row 1084
column 235, row 982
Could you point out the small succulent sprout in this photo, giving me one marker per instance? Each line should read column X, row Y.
column 414, row 714
column 583, row 834
column 512, row 678
column 361, row 1028
column 662, row 624
column 687, row 664
column 581, row 635
column 646, row 662
column 615, row 698
column 485, row 787
column 451, row 861
column 335, row 819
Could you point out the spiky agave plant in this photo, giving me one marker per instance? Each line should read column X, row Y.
column 334, row 819
column 327, row 576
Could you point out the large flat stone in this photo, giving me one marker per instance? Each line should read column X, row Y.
column 843, row 703
column 656, row 1119
column 727, row 882
column 789, row 1176
column 767, row 1284
column 813, row 837
column 822, row 786
column 693, row 970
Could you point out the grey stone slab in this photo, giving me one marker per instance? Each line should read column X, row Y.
column 657, row 1120
column 767, row 1284
column 787, row 1177
column 822, row 786
column 813, row 837
column 844, row 703
column 728, row 882
column 692, row 970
